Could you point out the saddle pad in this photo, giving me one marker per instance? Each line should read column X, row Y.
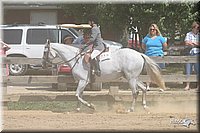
column 105, row 56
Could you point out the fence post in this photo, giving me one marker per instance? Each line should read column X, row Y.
column 58, row 86
column 114, row 91
column 4, row 87
column 4, row 78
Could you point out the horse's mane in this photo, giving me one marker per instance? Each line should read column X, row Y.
column 67, row 47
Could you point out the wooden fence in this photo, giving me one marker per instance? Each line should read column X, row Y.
column 39, row 79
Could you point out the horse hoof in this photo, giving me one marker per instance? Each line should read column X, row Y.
column 91, row 106
column 78, row 109
column 146, row 108
column 130, row 110
column 161, row 90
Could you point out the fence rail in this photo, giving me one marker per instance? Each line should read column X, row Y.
column 38, row 79
column 32, row 79
column 165, row 59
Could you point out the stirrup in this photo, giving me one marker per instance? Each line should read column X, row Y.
column 93, row 72
column 98, row 73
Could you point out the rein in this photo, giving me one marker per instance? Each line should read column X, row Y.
column 63, row 62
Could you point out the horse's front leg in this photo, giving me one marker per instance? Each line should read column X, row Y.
column 78, row 107
column 79, row 91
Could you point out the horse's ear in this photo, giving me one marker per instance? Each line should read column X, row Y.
column 47, row 45
column 48, row 42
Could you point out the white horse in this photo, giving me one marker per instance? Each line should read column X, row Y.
column 122, row 62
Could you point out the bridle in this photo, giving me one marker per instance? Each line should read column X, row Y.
column 47, row 52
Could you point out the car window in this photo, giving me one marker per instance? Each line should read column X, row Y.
column 65, row 33
column 40, row 36
column 74, row 31
column 12, row 36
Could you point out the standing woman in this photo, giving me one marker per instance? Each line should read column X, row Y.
column 154, row 44
column 192, row 40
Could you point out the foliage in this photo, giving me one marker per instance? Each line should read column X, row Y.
column 173, row 19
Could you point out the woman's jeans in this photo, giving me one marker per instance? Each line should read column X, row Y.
column 189, row 68
column 161, row 65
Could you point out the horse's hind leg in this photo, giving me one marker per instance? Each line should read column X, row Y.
column 144, row 90
column 133, row 86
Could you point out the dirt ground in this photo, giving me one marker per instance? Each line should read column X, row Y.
column 167, row 114
column 163, row 117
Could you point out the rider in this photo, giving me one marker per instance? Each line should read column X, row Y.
column 97, row 41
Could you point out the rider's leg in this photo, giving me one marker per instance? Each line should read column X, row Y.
column 87, row 57
column 95, row 63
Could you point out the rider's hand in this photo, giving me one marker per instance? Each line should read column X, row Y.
column 84, row 46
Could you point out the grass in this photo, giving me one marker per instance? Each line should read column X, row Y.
column 54, row 106
column 43, row 105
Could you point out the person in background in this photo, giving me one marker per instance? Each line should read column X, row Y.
column 83, row 39
column 68, row 40
column 192, row 40
column 3, row 49
column 154, row 44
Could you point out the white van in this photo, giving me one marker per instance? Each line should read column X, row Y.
column 28, row 41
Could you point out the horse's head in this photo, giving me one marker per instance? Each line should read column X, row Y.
column 45, row 57
column 55, row 54
column 50, row 56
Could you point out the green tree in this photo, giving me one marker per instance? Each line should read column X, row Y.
column 174, row 19
column 112, row 17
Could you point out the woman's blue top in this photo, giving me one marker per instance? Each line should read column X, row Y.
column 154, row 47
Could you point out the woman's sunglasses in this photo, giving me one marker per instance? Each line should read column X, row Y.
column 152, row 29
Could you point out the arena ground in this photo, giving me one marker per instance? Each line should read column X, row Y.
column 137, row 121
column 164, row 116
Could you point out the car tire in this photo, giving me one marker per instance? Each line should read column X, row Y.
column 17, row 69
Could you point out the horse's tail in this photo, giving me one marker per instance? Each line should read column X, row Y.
column 153, row 70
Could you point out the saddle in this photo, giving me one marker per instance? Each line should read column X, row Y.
column 87, row 55
column 94, row 63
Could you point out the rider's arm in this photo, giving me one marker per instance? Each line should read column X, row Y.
column 84, row 46
column 93, row 36
column 78, row 40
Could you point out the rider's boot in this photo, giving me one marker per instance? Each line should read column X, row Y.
column 95, row 63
